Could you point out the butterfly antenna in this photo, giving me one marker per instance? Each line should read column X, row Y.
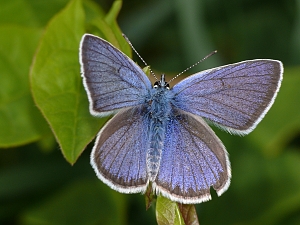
column 210, row 54
column 126, row 38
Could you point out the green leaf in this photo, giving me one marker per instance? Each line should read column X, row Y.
column 92, row 11
column 111, row 20
column 281, row 123
column 189, row 214
column 57, row 85
column 20, row 120
column 167, row 212
column 108, row 29
column 29, row 13
column 80, row 203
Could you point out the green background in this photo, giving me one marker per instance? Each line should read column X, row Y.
column 45, row 176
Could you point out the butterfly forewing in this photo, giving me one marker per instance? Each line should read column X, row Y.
column 119, row 154
column 235, row 96
column 111, row 79
column 193, row 160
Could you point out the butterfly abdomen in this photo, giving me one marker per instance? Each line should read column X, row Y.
column 158, row 108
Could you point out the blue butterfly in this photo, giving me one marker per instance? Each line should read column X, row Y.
column 159, row 134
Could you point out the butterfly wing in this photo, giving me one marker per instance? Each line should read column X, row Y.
column 192, row 161
column 119, row 154
column 111, row 79
column 235, row 97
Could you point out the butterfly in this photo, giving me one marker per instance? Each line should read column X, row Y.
column 159, row 134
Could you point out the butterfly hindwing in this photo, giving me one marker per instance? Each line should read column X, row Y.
column 119, row 154
column 235, row 96
column 193, row 160
column 111, row 79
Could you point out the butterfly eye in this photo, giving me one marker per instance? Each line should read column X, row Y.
column 156, row 84
column 167, row 86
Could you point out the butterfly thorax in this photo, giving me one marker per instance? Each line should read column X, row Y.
column 158, row 112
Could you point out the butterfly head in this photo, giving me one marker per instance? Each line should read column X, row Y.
column 162, row 83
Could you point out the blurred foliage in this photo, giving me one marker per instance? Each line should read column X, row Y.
column 42, row 102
